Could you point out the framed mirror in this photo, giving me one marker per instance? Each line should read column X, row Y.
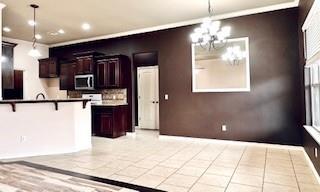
column 225, row 69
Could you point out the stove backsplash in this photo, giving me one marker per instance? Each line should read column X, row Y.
column 108, row 95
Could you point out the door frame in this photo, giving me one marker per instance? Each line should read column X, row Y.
column 157, row 118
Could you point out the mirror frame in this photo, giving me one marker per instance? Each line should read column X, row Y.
column 221, row 90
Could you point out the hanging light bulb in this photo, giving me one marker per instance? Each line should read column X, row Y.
column 34, row 52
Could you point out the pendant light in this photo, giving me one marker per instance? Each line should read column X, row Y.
column 210, row 32
column 34, row 52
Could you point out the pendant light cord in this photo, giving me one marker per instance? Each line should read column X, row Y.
column 210, row 8
column 34, row 27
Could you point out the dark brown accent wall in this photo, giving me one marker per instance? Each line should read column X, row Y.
column 271, row 112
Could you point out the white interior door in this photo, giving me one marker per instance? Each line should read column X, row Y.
column 148, row 97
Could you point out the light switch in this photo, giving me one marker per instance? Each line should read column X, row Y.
column 166, row 97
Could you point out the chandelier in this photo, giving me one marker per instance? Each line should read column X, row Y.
column 210, row 32
column 234, row 55
column 34, row 52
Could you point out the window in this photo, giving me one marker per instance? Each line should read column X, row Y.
column 313, row 90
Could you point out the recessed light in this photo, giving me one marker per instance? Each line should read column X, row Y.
column 38, row 36
column 61, row 31
column 6, row 29
column 86, row 26
column 32, row 23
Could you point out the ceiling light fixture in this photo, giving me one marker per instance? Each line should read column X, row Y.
column 34, row 52
column 86, row 26
column 6, row 29
column 38, row 36
column 234, row 55
column 209, row 33
column 32, row 22
column 61, row 31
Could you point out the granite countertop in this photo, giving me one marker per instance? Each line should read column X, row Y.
column 106, row 104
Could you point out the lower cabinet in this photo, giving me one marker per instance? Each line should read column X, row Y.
column 109, row 121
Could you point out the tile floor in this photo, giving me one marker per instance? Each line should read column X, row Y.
column 174, row 165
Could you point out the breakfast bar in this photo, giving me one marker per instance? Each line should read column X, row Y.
column 44, row 127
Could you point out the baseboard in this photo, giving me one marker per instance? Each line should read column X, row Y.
column 278, row 146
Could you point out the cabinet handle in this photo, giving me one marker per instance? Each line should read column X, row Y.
column 153, row 102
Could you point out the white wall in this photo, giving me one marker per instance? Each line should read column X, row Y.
column 30, row 66
column 38, row 129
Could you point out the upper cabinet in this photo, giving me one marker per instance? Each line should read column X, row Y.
column 48, row 68
column 7, row 65
column 112, row 72
column 67, row 73
column 85, row 62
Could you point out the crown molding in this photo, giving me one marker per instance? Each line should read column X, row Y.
column 295, row 3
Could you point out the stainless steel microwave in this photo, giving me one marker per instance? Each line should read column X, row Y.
column 84, row 82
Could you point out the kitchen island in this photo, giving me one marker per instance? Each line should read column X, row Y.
column 44, row 127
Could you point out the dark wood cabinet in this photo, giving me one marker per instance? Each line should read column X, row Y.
column 67, row 73
column 109, row 121
column 7, row 65
column 48, row 68
column 85, row 62
column 112, row 72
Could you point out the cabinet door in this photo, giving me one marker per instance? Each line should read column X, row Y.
column 53, row 68
column 7, row 66
column 43, row 69
column 101, row 78
column 84, row 65
column 67, row 73
column 113, row 73
column 106, row 124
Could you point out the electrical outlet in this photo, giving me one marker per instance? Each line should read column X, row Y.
column 23, row 139
column 316, row 152
column 166, row 97
column 224, row 128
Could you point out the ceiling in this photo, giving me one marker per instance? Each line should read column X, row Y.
column 110, row 16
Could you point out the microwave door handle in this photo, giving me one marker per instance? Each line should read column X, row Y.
column 88, row 82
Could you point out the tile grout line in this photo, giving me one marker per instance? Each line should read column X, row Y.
column 265, row 167
column 235, row 168
column 209, row 166
column 295, row 175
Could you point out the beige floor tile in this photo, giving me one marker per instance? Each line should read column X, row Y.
column 132, row 171
column 191, row 171
column 181, row 180
column 268, row 187
column 198, row 187
column 302, row 169
column 306, row 178
column 309, row 187
column 216, row 180
column 246, row 179
column 242, row 169
column 148, row 180
column 198, row 163
column 172, row 163
column 219, row 170
column 119, row 164
column 172, row 188
column 281, row 180
column 280, row 170
column 242, row 188
column 103, row 172
column 162, row 171
column 147, row 164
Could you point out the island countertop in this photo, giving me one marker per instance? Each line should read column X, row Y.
column 13, row 103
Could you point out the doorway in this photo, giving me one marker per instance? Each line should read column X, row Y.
column 148, row 97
